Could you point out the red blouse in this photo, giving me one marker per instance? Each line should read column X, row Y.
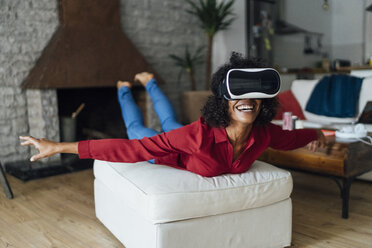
column 197, row 147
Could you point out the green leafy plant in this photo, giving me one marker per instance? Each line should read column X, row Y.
column 213, row 17
column 188, row 63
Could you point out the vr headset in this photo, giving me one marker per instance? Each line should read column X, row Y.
column 250, row 83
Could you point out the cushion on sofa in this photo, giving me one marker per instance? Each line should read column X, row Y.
column 162, row 193
column 288, row 103
column 302, row 89
column 335, row 96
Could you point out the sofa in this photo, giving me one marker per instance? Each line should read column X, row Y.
column 156, row 206
column 295, row 101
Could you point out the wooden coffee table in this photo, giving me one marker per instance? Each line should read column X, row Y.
column 342, row 162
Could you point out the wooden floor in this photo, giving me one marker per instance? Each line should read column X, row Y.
column 59, row 212
column 53, row 212
column 317, row 218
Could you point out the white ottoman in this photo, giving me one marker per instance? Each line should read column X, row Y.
column 156, row 206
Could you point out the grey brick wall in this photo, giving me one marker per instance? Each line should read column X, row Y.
column 25, row 28
column 156, row 27
column 159, row 28
column 43, row 120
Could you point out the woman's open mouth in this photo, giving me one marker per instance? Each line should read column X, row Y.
column 245, row 107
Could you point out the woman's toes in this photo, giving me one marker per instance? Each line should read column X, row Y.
column 143, row 78
column 123, row 83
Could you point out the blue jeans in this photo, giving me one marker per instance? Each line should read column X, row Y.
column 133, row 117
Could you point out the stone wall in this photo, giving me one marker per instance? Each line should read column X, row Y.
column 156, row 27
column 43, row 119
column 25, row 28
column 159, row 28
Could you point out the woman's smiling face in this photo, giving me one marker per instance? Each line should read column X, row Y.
column 244, row 111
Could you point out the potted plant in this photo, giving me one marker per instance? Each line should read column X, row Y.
column 188, row 62
column 213, row 18
column 192, row 101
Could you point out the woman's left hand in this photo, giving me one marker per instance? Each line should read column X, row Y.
column 320, row 142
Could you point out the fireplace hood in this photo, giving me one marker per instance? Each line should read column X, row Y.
column 89, row 49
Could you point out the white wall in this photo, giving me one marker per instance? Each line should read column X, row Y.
column 342, row 26
column 232, row 39
column 309, row 15
column 347, row 30
column 368, row 30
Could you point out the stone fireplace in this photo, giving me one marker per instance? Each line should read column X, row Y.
column 83, row 60
column 156, row 28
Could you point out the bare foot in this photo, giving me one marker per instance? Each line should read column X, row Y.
column 120, row 84
column 143, row 77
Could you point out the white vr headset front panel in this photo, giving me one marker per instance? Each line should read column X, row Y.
column 250, row 94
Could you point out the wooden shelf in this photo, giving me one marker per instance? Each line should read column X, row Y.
column 351, row 68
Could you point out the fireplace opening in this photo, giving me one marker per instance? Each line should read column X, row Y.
column 101, row 116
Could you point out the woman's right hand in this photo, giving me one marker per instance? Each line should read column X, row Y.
column 46, row 147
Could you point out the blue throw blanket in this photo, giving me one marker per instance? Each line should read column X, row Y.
column 335, row 96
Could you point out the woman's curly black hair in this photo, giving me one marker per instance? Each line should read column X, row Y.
column 215, row 110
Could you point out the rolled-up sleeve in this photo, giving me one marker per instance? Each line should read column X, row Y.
column 83, row 149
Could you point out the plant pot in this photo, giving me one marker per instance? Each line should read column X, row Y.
column 192, row 103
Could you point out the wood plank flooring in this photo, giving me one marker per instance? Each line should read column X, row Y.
column 317, row 218
column 53, row 212
column 59, row 212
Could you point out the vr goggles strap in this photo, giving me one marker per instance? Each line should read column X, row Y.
column 221, row 89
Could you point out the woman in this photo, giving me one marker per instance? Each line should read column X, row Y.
column 228, row 138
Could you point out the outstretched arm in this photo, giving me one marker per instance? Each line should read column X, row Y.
column 289, row 140
column 123, row 150
column 48, row 148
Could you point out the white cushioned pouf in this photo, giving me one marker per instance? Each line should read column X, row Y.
column 158, row 195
